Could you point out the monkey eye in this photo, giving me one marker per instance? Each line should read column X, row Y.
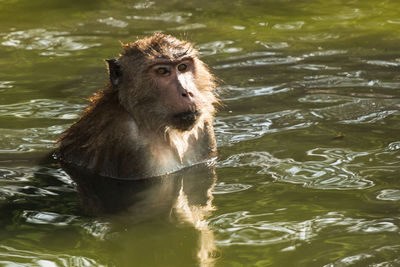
column 182, row 67
column 162, row 70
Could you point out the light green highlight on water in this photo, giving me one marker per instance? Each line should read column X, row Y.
column 308, row 171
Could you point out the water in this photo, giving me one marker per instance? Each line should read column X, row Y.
column 309, row 144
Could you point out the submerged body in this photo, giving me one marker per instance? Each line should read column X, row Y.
column 154, row 117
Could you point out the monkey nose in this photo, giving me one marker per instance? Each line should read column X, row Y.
column 187, row 93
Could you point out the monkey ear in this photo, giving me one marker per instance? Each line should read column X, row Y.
column 114, row 71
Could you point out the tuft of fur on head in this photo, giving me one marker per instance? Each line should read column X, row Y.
column 159, row 46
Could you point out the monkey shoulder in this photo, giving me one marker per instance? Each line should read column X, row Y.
column 105, row 141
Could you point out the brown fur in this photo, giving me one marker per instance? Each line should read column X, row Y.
column 126, row 131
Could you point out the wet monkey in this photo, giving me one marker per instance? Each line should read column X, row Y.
column 154, row 117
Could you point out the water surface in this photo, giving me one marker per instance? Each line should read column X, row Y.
column 308, row 139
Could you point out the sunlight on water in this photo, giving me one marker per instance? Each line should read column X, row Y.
column 243, row 228
column 336, row 171
column 308, row 136
column 42, row 108
column 53, row 42
column 9, row 255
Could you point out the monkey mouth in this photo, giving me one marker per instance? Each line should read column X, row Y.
column 185, row 120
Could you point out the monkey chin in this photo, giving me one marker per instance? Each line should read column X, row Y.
column 185, row 121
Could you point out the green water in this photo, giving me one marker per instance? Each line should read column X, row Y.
column 309, row 138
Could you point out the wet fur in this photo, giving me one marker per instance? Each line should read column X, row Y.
column 123, row 134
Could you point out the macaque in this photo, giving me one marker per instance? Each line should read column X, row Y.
column 154, row 117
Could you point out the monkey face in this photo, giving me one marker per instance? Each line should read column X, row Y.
column 162, row 83
column 177, row 91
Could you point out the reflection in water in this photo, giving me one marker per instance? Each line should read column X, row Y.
column 184, row 196
column 197, row 216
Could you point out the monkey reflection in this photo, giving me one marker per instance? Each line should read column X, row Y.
column 154, row 117
column 185, row 196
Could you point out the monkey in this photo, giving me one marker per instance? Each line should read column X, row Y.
column 154, row 116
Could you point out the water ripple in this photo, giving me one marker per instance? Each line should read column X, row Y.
column 389, row 194
column 97, row 229
column 235, row 92
column 19, row 174
column 42, row 108
column 113, row 22
column 217, row 47
column 31, row 191
column 383, row 63
column 6, row 84
column 54, row 43
column 344, row 80
column 325, row 98
column 16, row 257
column 273, row 45
column 42, row 217
column 144, row 5
column 29, row 139
column 315, row 67
column 233, row 129
column 350, row 260
column 331, row 81
column 189, row 27
column 336, row 170
column 261, row 62
column 256, row 54
column 177, row 17
column 319, row 37
column 244, row 228
column 359, row 110
column 296, row 25
column 223, row 188
column 325, row 53
column 389, row 253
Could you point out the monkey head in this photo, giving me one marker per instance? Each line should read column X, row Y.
column 162, row 83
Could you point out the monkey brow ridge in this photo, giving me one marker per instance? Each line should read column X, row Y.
column 160, row 46
column 168, row 61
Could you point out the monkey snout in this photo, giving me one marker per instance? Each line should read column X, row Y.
column 186, row 120
column 187, row 93
column 188, row 115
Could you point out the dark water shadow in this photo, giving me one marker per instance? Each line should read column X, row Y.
column 105, row 195
column 114, row 221
column 182, row 198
